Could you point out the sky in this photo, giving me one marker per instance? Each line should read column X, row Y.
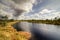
column 30, row 9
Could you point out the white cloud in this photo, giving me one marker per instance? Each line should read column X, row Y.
column 49, row 14
column 16, row 7
column 3, row 13
column 44, row 14
column 46, row 11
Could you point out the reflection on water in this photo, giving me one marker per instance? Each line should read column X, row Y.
column 41, row 31
column 25, row 26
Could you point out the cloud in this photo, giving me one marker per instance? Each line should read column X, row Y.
column 16, row 7
column 43, row 14
column 46, row 11
column 38, row 2
column 49, row 13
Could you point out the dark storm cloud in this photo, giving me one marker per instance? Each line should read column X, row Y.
column 18, row 6
column 18, row 12
column 20, row 1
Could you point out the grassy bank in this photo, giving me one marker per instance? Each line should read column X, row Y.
column 7, row 32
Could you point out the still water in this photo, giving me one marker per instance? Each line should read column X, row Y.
column 41, row 31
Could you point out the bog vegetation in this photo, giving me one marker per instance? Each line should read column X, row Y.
column 55, row 21
column 7, row 32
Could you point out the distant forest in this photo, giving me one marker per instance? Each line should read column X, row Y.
column 55, row 21
column 4, row 20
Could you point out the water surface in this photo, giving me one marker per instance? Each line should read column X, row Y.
column 41, row 31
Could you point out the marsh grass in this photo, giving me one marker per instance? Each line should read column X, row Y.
column 7, row 32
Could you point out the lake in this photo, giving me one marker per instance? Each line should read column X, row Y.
column 40, row 31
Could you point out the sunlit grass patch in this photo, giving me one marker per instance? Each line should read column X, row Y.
column 7, row 32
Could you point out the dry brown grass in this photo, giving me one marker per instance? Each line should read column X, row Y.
column 9, row 33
